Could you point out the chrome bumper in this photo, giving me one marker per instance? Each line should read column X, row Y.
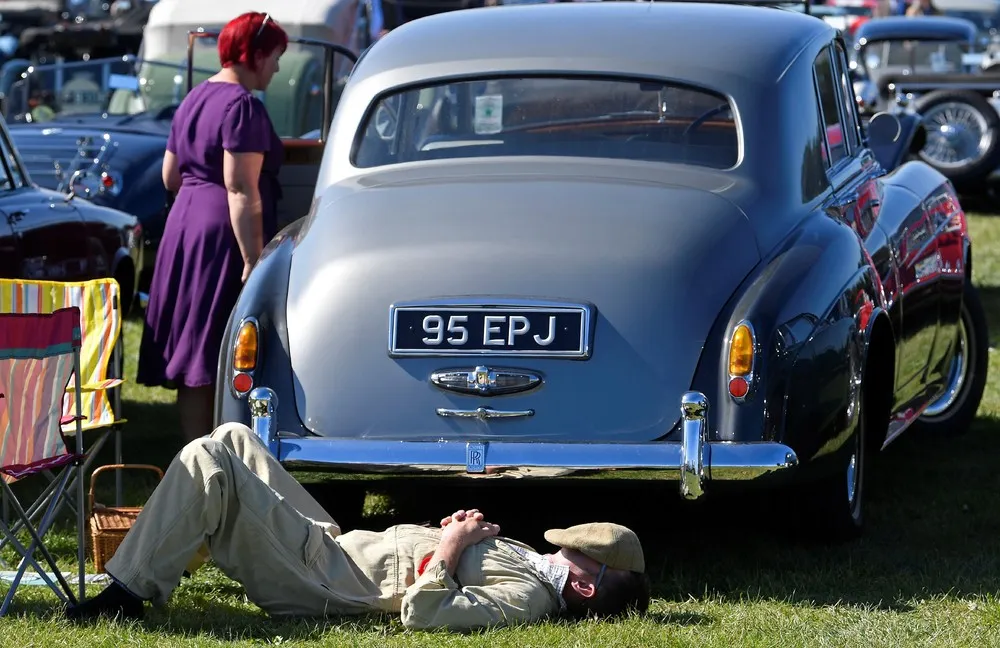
column 694, row 460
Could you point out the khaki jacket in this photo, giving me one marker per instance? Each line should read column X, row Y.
column 493, row 585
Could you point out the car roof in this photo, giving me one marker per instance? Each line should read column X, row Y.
column 668, row 39
column 918, row 27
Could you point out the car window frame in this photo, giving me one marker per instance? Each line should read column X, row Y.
column 406, row 128
column 831, row 166
column 848, row 103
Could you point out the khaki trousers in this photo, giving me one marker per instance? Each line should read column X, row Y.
column 262, row 528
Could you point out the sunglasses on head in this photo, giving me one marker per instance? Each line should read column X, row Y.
column 267, row 19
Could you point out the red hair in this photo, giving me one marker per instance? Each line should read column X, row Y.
column 243, row 38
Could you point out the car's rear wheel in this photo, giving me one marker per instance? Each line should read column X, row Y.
column 954, row 411
column 833, row 507
column 840, row 498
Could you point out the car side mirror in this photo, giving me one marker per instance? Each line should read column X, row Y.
column 883, row 130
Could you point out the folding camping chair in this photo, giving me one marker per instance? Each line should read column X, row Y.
column 99, row 305
column 38, row 354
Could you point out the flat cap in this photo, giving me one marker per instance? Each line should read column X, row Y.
column 608, row 543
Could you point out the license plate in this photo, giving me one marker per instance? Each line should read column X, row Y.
column 560, row 331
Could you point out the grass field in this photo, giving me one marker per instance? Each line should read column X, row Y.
column 927, row 572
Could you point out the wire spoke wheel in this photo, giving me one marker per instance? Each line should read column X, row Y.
column 957, row 135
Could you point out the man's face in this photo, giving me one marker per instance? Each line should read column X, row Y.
column 578, row 563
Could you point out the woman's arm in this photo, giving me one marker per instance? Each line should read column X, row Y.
column 171, row 172
column 241, row 173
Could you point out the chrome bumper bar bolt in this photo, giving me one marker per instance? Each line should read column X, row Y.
column 263, row 412
column 694, row 409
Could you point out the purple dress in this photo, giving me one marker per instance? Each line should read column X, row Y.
column 198, row 270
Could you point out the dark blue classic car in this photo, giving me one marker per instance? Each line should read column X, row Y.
column 546, row 241
column 54, row 236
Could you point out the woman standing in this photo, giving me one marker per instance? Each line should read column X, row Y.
column 222, row 161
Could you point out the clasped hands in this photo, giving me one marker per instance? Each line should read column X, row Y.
column 466, row 528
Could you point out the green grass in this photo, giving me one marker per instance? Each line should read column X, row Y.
column 927, row 572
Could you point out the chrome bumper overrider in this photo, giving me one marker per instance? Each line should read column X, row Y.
column 695, row 460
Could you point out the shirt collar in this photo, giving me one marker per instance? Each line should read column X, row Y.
column 556, row 575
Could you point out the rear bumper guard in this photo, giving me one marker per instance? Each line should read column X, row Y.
column 694, row 461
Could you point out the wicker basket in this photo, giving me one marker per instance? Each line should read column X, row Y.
column 108, row 525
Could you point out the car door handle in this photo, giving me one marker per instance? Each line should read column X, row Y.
column 13, row 217
column 483, row 413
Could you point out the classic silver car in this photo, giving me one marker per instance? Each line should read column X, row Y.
column 546, row 241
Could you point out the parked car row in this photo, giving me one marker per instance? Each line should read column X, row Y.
column 931, row 66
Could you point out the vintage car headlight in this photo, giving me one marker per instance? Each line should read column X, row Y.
column 742, row 353
column 245, row 355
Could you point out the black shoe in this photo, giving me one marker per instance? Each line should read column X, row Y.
column 114, row 602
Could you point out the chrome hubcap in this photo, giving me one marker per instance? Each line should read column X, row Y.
column 956, row 374
column 957, row 135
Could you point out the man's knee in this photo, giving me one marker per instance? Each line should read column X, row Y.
column 231, row 433
column 202, row 452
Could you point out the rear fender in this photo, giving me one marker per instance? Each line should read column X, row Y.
column 263, row 297
column 786, row 300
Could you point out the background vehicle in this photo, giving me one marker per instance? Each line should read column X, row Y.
column 582, row 255
column 86, row 29
column 62, row 237
column 931, row 64
column 112, row 116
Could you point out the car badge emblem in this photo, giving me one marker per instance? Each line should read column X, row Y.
column 484, row 381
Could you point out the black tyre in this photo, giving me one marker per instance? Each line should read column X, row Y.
column 838, row 501
column 963, row 136
column 955, row 410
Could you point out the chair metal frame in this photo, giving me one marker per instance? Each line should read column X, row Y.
column 69, row 463
column 101, row 433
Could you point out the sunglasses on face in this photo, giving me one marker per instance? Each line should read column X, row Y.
column 600, row 577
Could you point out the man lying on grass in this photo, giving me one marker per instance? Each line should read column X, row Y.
column 264, row 530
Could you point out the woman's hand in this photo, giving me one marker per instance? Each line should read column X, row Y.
column 247, row 267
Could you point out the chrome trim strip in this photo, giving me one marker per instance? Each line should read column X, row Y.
column 503, row 304
column 694, row 460
column 483, row 413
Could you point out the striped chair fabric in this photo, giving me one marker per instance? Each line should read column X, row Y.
column 101, row 326
column 37, row 354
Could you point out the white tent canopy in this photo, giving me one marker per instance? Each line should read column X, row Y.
column 170, row 20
